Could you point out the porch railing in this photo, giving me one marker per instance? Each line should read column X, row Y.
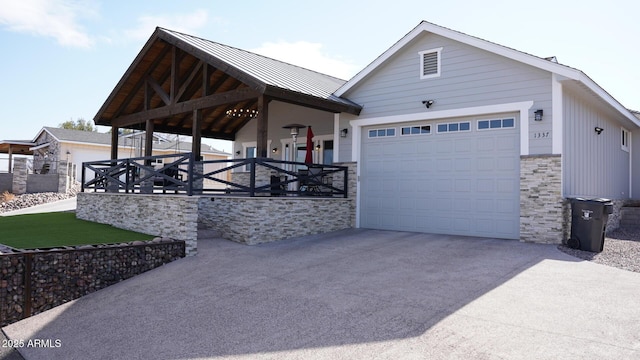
column 182, row 174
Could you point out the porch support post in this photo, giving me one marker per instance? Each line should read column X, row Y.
column 197, row 184
column 196, row 133
column 10, row 158
column 114, row 142
column 263, row 125
column 148, row 138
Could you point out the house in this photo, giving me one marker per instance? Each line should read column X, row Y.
column 75, row 146
column 447, row 133
column 54, row 147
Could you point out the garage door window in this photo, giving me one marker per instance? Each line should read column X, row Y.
column 496, row 124
column 416, row 130
column 454, row 127
column 375, row 133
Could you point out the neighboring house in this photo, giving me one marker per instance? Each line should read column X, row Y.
column 52, row 144
column 451, row 134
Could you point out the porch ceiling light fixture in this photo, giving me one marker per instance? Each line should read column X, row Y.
column 538, row 115
column 599, row 130
column 242, row 113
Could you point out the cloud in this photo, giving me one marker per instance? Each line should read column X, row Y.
column 308, row 55
column 48, row 18
column 187, row 23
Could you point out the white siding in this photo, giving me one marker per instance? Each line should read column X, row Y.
column 470, row 77
column 593, row 165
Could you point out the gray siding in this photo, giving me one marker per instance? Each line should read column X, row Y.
column 469, row 77
column 593, row 165
column 635, row 166
column 345, row 144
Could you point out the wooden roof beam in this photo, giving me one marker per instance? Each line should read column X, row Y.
column 226, row 97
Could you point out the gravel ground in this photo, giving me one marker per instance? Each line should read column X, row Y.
column 621, row 250
column 29, row 200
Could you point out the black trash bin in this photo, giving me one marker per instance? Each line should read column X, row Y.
column 589, row 223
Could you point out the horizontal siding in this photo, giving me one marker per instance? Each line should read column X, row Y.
column 594, row 165
column 635, row 166
column 469, row 77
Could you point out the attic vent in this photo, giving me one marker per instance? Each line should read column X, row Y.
column 430, row 63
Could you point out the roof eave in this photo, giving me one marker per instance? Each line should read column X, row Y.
column 98, row 118
column 319, row 103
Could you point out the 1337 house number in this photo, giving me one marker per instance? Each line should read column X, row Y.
column 542, row 135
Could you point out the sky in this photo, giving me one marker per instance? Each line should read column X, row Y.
column 62, row 58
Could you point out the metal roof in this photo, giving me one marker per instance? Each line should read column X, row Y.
column 267, row 70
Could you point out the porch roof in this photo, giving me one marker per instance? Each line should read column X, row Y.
column 176, row 74
column 18, row 147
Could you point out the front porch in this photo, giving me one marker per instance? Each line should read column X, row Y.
column 274, row 200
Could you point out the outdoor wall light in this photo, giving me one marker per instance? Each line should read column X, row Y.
column 599, row 130
column 428, row 103
column 238, row 152
column 318, row 147
column 344, row 132
column 274, row 150
column 538, row 115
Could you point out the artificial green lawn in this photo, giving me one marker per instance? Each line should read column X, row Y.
column 59, row 229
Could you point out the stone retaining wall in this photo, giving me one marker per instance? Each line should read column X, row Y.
column 265, row 219
column 34, row 281
column 172, row 216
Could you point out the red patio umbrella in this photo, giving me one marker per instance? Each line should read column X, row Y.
column 308, row 159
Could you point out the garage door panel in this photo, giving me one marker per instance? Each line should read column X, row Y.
column 485, row 164
column 485, row 144
column 464, row 183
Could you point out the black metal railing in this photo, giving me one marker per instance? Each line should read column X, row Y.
column 182, row 174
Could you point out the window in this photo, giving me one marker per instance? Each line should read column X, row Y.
column 430, row 63
column 327, row 152
column 624, row 141
column 382, row 132
column 416, row 130
column 454, row 127
column 250, row 153
column 496, row 124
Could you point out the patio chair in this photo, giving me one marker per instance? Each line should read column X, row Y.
column 45, row 168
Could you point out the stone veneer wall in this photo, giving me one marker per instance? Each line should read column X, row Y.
column 542, row 208
column 352, row 183
column 172, row 216
column 19, row 176
column 265, row 219
column 32, row 282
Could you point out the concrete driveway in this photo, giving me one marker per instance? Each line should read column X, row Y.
column 354, row 294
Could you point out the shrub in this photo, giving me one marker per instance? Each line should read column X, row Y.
column 6, row 196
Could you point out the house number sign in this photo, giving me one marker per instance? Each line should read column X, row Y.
column 542, row 134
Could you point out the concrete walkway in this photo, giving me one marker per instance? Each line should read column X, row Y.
column 56, row 206
column 354, row 294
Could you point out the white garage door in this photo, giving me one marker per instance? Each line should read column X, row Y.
column 458, row 177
